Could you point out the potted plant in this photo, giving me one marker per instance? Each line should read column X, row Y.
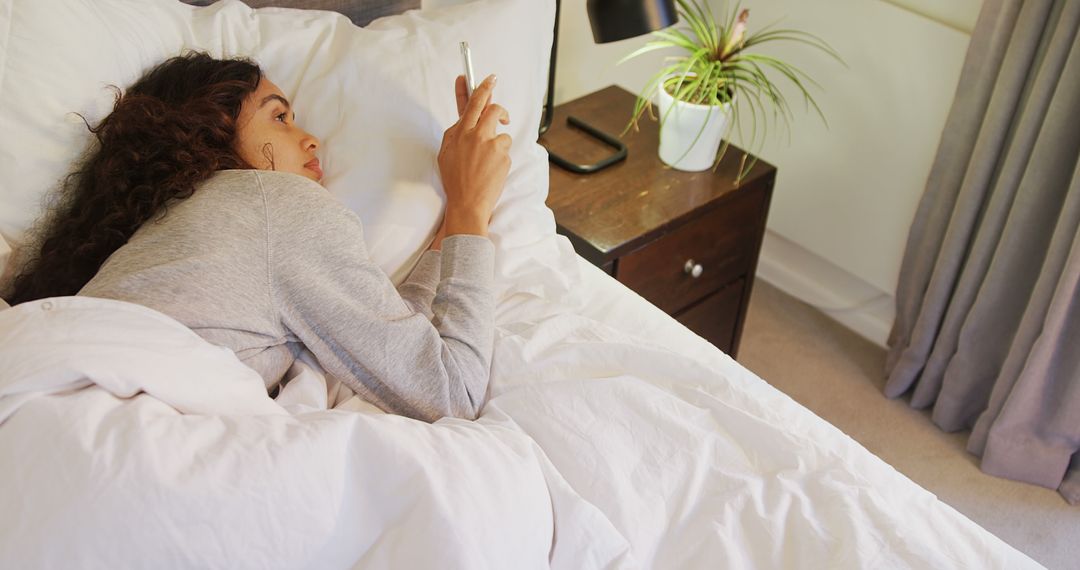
column 717, row 85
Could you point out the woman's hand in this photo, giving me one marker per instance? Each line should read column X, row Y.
column 474, row 160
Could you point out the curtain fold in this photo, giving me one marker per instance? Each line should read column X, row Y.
column 987, row 329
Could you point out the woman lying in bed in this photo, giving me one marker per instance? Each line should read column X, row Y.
column 202, row 201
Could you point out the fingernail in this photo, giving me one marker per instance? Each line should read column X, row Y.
column 493, row 78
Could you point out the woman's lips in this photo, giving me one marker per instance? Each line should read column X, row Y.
column 314, row 167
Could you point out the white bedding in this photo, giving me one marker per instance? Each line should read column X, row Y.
column 614, row 437
column 127, row 441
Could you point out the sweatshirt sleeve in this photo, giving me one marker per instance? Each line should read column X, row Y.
column 419, row 287
column 334, row 299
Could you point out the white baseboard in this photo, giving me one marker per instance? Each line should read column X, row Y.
column 854, row 303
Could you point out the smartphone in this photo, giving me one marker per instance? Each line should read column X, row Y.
column 466, row 58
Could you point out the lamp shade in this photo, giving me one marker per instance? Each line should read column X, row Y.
column 614, row 20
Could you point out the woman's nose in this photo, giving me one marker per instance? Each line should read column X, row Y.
column 311, row 142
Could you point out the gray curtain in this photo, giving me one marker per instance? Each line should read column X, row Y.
column 987, row 328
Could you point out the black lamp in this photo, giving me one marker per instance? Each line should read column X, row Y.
column 611, row 20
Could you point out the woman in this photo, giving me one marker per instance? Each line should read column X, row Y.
column 201, row 201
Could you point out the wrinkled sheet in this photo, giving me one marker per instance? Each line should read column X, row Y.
column 613, row 438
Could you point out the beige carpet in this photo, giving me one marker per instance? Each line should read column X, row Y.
column 838, row 375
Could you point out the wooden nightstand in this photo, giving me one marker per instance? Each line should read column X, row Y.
column 650, row 226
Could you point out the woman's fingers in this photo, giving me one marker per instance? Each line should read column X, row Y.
column 503, row 142
column 473, row 159
column 492, row 113
column 462, row 92
column 479, row 100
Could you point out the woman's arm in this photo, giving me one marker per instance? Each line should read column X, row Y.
column 436, row 244
column 418, row 289
column 473, row 163
column 332, row 297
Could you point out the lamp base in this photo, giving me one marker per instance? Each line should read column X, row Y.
column 617, row 156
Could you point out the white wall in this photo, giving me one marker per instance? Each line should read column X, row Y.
column 584, row 66
column 845, row 194
column 959, row 14
column 848, row 192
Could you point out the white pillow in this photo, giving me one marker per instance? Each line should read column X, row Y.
column 379, row 97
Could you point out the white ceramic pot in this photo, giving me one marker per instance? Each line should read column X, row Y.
column 684, row 144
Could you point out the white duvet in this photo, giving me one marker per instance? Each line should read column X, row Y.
column 127, row 441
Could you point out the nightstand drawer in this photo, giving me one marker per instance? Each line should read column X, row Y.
column 716, row 317
column 722, row 242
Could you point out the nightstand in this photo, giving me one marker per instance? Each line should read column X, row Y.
column 686, row 241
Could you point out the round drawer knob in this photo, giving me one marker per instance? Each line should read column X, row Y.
column 693, row 269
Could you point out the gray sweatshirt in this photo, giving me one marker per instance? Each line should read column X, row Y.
column 264, row 263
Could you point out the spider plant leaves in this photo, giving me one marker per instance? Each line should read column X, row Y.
column 668, row 39
column 703, row 27
column 648, row 47
column 763, row 35
column 793, row 74
column 716, row 70
column 644, row 102
column 679, row 39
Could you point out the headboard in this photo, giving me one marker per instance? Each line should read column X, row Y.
column 361, row 12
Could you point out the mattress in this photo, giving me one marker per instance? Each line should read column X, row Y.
column 613, row 438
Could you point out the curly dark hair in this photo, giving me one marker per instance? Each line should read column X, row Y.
column 173, row 129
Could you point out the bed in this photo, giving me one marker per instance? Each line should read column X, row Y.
column 613, row 436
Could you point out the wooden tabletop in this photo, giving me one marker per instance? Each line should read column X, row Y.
column 631, row 203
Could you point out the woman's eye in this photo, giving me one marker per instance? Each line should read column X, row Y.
column 281, row 117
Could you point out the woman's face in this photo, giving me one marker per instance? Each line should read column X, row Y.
column 267, row 136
